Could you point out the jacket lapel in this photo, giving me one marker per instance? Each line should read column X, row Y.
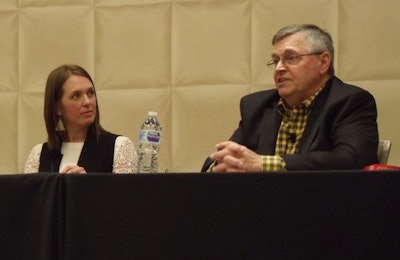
column 310, row 133
column 314, row 119
column 271, row 120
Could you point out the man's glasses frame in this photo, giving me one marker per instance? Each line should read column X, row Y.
column 290, row 59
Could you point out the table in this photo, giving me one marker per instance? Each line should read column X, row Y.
column 330, row 214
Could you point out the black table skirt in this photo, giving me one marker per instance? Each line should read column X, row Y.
column 329, row 215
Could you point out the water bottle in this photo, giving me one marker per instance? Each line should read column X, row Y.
column 149, row 144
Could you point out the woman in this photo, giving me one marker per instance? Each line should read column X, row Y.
column 77, row 143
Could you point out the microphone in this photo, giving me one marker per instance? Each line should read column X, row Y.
column 292, row 137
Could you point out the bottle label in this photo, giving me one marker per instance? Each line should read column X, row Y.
column 150, row 136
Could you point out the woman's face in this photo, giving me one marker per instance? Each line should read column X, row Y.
column 77, row 106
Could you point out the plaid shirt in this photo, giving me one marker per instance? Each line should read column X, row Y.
column 290, row 133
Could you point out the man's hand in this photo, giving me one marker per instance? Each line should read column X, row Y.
column 233, row 157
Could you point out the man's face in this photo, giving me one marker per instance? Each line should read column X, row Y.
column 298, row 77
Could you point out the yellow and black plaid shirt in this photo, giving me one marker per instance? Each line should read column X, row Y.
column 290, row 133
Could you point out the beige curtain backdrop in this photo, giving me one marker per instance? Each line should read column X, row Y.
column 190, row 61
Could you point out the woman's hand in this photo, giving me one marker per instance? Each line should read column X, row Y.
column 73, row 169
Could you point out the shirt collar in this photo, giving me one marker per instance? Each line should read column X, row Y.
column 305, row 105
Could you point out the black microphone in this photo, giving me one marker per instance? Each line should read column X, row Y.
column 292, row 137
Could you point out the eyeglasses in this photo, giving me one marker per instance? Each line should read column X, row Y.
column 291, row 59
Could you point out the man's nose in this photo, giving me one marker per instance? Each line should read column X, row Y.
column 280, row 65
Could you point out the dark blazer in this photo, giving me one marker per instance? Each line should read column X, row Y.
column 341, row 130
column 97, row 155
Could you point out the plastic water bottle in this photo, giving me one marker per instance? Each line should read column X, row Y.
column 149, row 144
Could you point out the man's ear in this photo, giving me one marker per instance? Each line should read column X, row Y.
column 325, row 61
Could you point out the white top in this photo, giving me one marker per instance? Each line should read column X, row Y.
column 71, row 153
column 124, row 151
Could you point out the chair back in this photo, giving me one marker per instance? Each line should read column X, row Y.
column 383, row 151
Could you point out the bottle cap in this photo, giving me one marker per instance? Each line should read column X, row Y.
column 152, row 113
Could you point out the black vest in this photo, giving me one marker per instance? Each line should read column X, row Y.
column 96, row 156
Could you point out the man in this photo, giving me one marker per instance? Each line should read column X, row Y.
column 311, row 121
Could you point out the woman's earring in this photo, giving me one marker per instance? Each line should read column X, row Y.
column 60, row 125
